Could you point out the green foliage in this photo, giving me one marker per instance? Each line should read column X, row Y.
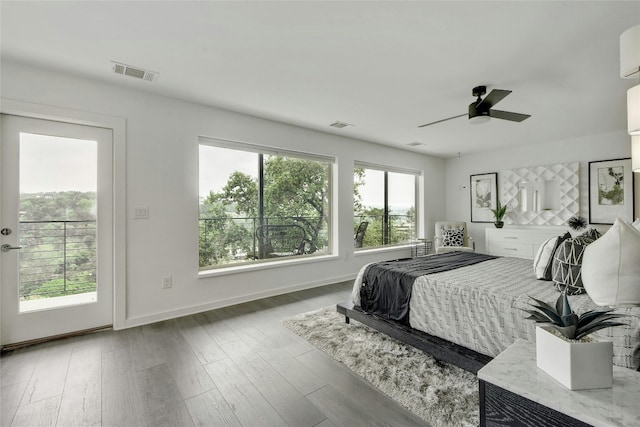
column 500, row 211
column 358, row 181
column 398, row 231
column 569, row 324
column 295, row 191
column 374, row 235
column 221, row 238
column 298, row 189
column 56, row 206
column 241, row 190
column 57, row 287
column 56, row 247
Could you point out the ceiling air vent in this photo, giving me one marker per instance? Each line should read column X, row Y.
column 135, row 72
column 340, row 125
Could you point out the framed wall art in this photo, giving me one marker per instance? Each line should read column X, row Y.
column 610, row 191
column 484, row 196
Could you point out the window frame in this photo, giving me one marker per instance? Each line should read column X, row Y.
column 261, row 151
column 417, row 174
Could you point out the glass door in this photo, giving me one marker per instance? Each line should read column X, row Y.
column 56, row 232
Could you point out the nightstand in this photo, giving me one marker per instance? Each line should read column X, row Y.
column 514, row 392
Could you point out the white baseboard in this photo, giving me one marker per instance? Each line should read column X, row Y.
column 199, row 308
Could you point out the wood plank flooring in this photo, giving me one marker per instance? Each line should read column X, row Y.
column 236, row 366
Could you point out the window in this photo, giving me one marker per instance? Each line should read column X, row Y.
column 386, row 199
column 258, row 204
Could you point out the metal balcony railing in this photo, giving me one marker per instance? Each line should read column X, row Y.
column 58, row 258
column 394, row 230
column 225, row 240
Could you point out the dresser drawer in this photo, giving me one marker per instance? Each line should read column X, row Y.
column 518, row 241
column 509, row 237
column 510, row 248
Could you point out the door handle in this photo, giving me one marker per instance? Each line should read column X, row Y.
column 7, row 248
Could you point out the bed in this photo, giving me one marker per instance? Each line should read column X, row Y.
column 468, row 314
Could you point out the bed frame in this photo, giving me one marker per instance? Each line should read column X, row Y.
column 439, row 348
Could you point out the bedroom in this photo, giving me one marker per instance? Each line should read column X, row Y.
column 162, row 126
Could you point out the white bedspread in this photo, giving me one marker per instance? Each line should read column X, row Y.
column 480, row 307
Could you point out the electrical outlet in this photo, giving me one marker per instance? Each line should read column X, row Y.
column 166, row 282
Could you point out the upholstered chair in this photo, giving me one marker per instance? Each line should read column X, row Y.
column 452, row 236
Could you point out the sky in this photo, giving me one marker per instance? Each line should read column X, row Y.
column 217, row 164
column 50, row 163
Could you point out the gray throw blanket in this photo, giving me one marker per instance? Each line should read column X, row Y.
column 386, row 286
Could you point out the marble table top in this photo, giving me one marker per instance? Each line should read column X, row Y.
column 515, row 370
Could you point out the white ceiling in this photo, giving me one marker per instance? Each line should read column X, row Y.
column 385, row 67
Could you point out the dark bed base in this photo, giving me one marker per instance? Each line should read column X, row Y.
column 442, row 350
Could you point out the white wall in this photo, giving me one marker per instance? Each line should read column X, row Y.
column 611, row 145
column 162, row 173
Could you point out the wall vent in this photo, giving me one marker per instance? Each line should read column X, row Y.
column 135, row 72
column 340, row 125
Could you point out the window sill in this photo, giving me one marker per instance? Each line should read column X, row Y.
column 381, row 249
column 236, row 269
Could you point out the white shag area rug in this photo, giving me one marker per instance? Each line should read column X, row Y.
column 441, row 394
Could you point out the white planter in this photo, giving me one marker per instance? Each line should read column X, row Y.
column 577, row 366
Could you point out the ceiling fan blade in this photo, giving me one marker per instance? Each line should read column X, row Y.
column 508, row 115
column 443, row 120
column 495, row 96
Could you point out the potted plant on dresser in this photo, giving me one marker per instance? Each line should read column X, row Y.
column 564, row 348
column 498, row 213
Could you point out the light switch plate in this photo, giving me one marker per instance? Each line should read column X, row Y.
column 141, row 212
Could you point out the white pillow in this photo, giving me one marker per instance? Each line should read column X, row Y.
column 544, row 257
column 611, row 266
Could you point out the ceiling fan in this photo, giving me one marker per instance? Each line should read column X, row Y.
column 482, row 109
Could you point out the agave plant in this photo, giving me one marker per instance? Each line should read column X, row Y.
column 569, row 324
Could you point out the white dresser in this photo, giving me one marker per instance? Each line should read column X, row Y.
column 520, row 242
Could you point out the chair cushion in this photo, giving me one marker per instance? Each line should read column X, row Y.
column 445, row 249
column 544, row 257
column 611, row 266
column 452, row 236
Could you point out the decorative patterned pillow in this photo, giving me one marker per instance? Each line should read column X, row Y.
column 566, row 270
column 544, row 257
column 589, row 236
column 452, row 236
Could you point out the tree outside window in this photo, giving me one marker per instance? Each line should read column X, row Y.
column 252, row 202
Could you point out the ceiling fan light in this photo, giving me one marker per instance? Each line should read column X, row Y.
column 633, row 110
column 477, row 113
column 479, row 119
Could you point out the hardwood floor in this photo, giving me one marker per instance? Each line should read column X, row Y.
column 236, row 366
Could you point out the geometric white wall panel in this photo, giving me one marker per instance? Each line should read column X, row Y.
column 541, row 195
